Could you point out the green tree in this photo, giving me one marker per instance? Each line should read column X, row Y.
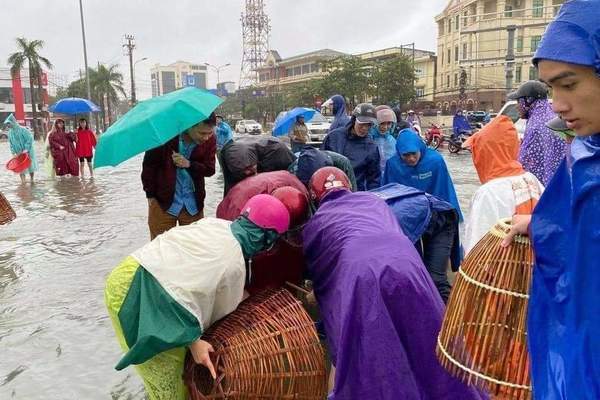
column 107, row 82
column 28, row 52
column 348, row 76
column 392, row 80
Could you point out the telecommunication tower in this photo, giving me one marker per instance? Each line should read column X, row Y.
column 255, row 36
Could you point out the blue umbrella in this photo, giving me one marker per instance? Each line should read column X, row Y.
column 284, row 123
column 73, row 105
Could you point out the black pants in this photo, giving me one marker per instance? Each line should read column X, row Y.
column 437, row 242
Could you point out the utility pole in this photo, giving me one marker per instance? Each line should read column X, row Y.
column 510, row 56
column 87, row 75
column 130, row 45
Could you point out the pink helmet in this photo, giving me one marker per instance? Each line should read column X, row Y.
column 267, row 212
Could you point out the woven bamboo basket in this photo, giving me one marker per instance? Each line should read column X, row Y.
column 483, row 340
column 267, row 348
column 7, row 213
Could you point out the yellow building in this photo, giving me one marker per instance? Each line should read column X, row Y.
column 473, row 42
column 425, row 67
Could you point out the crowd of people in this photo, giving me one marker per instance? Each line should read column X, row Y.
column 372, row 219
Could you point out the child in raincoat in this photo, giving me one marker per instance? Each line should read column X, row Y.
column 20, row 141
column 382, row 135
column 166, row 294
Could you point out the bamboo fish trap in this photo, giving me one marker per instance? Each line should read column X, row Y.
column 7, row 213
column 483, row 340
column 267, row 348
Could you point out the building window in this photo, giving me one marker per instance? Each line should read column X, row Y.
column 6, row 95
column 449, row 55
column 456, row 53
column 518, row 74
column 538, row 8
column 490, row 8
column 168, row 81
column 442, row 53
column 314, row 67
column 455, row 80
column 508, row 11
column 298, row 70
column 519, row 44
column 447, row 80
column 464, row 52
column 535, row 41
column 305, row 69
column 420, row 91
column 440, row 28
column 449, row 22
column 419, row 72
column 457, row 22
column 533, row 73
column 289, row 72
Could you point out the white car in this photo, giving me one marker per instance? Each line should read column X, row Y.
column 510, row 109
column 248, row 126
column 317, row 126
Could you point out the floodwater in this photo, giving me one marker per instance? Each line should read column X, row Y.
column 56, row 339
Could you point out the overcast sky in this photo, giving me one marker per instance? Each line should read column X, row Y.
column 209, row 31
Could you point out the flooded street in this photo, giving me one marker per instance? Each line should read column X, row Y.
column 56, row 339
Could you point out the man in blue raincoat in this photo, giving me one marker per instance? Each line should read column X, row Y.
column 420, row 167
column 460, row 125
column 20, row 141
column 224, row 132
column 353, row 141
column 564, row 304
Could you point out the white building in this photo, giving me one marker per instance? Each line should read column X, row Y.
column 167, row 78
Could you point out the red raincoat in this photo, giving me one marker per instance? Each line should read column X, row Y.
column 86, row 141
column 63, row 153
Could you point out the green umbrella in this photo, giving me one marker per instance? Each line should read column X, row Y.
column 152, row 123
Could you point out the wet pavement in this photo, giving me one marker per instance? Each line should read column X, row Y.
column 56, row 340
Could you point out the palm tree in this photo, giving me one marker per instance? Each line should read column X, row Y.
column 108, row 84
column 28, row 52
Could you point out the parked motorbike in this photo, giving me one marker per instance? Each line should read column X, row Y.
column 434, row 137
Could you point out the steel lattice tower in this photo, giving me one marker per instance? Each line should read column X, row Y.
column 255, row 36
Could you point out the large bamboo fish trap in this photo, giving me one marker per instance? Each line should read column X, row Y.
column 7, row 213
column 267, row 348
column 483, row 340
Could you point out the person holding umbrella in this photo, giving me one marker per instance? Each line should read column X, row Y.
column 299, row 134
column 173, row 177
column 20, row 141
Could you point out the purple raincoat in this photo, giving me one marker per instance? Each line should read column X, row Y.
column 380, row 308
column 541, row 151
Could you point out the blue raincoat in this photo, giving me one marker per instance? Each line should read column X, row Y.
column 460, row 124
column 429, row 175
column 564, row 308
column 386, row 144
column 413, row 209
column 362, row 153
column 339, row 110
column 20, row 139
column 224, row 134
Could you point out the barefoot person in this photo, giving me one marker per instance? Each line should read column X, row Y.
column 84, row 148
column 564, row 307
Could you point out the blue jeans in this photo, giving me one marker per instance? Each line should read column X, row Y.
column 437, row 242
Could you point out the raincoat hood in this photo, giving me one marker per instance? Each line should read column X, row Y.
column 339, row 110
column 309, row 161
column 573, row 37
column 495, row 150
column 409, row 142
column 252, row 238
column 11, row 120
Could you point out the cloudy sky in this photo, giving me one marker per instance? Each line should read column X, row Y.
column 209, row 31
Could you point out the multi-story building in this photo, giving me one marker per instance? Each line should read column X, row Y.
column 472, row 49
column 225, row 88
column 15, row 96
column 424, row 63
column 277, row 72
column 167, row 78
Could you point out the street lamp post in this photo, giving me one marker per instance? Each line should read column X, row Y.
column 87, row 76
column 133, row 77
column 218, row 69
